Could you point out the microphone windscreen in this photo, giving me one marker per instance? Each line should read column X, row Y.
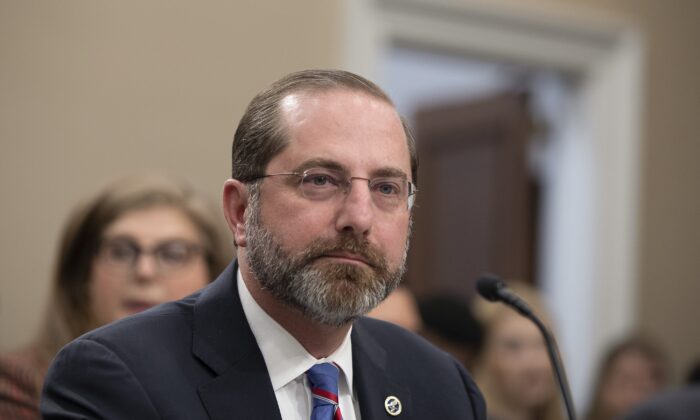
column 488, row 287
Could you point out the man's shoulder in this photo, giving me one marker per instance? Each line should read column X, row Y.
column 148, row 358
column 156, row 340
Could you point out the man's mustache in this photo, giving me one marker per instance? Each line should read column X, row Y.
column 362, row 249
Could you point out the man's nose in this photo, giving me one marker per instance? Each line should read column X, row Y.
column 356, row 213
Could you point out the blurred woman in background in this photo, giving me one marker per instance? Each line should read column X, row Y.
column 513, row 371
column 631, row 372
column 141, row 242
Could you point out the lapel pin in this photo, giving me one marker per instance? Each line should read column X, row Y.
column 392, row 405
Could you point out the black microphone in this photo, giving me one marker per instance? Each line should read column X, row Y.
column 493, row 289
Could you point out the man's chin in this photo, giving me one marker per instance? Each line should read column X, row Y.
column 341, row 270
column 330, row 317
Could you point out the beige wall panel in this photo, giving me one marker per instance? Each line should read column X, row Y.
column 93, row 90
column 670, row 240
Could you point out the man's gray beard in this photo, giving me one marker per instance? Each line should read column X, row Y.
column 329, row 293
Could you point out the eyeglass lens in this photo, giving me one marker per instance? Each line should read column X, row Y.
column 171, row 254
column 321, row 184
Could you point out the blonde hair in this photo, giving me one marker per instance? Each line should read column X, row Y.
column 489, row 314
column 68, row 314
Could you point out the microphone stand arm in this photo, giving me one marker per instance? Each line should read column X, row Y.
column 492, row 288
column 553, row 351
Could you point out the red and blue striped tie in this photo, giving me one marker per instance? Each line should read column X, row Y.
column 323, row 379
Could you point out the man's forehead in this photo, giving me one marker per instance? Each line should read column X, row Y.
column 335, row 109
column 360, row 132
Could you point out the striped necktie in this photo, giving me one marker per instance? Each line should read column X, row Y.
column 323, row 379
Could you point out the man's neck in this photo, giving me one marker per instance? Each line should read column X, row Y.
column 318, row 339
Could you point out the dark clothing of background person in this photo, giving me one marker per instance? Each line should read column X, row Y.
column 678, row 404
column 20, row 382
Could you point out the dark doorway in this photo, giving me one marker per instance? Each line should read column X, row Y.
column 474, row 210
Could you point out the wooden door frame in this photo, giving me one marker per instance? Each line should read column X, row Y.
column 605, row 53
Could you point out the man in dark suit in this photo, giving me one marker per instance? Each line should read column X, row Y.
column 319, row 205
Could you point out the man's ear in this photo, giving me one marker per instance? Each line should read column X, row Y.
column 235, row 203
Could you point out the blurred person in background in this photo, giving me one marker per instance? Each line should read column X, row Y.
column 142, row 241
column 513, row 371
column 444, row 320
column 448, row 322
column 676, row 404
column 399, row 308
column 632, row 371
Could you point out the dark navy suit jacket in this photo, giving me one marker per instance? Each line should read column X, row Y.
column 198, row 359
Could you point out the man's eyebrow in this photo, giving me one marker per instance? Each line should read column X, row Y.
column 319, row 163
column 332, row 164
column 389, row 172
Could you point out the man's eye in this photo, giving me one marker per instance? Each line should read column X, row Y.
column 320, row 180
column 388, row 188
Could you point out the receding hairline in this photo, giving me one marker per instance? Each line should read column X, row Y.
column 318, row 80
column 309, row 92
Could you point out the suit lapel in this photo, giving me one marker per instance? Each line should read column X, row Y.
column 223, row 341
column 372, row 378
column 242, row 392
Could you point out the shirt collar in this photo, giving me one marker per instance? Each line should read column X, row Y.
column 285, row 357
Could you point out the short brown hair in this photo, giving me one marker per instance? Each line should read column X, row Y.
column 260, row 136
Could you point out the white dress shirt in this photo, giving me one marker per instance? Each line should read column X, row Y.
column 287, row 361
